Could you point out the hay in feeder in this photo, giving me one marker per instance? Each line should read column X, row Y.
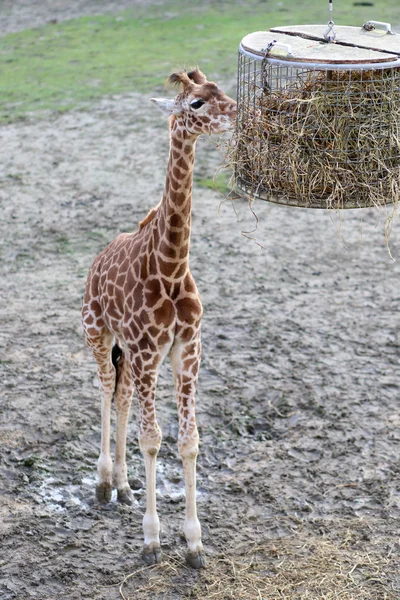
column 323, row 139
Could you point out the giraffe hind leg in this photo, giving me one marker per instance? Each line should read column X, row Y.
column 123, row 399
column 101, row 346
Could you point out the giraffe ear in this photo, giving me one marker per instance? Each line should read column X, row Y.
column 165, row 105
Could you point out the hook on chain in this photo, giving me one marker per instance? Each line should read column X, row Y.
column 330, row 35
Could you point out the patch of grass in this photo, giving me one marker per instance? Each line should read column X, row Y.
column 217, row 183
column 63, row 244
column 60, row 66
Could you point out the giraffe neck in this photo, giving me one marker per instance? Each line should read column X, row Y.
column 174, row 221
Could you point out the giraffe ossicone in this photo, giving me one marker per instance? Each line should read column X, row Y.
column 141, row 305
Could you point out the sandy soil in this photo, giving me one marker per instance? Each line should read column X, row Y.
column 298, row 401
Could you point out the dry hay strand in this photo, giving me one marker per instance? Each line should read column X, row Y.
column 296, row 568
column 330, row 140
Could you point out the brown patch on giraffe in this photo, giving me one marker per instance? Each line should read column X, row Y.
column 152, row 263
column 184, row 250
column 144, row 272
column 175, row 290
column 124, row 266
column 176, row 143
column 188, row 363
column 121, row 255
column 180, row 198
column 95, row 307
column 92, row 332
column 144, row 317
column 153, row 331
column 130, row 331
column 187, row 389
column 166, row 250
column 94, row 284
column 175, row 184
column 181, row 163
column 189, row 310
column 110, row 288
column 120, row 281
column 185, row 333
column 119, row 302
column 164, row 338
column 176, row 220
column 152, row 292
column 145, row 343
column 180, row 271
column 189, row 285
column 165, row 314
column 166, row 268
column 112, row 272
column 89, row 320
column 133, row 350
column 175, row 238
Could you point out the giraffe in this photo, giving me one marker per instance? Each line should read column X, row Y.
column 141, row 305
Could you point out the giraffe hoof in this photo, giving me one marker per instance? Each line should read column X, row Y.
column 125, row 496
column 196, row 560
column 151, row 555
column 103, row 492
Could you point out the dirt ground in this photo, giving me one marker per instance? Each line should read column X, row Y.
column 298, row 398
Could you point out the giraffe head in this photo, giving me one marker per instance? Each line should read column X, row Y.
column 200, row 107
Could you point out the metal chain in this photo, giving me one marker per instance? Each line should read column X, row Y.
column 330, row 35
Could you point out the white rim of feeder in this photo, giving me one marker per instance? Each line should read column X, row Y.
column 393, row 64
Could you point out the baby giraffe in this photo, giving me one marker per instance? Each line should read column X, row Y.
column 141, row 305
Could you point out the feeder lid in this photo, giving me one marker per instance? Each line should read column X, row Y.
column 359, row 37
column 295, row 48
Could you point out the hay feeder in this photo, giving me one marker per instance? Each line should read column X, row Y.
column 319, row 121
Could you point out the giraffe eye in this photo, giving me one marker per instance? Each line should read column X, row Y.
column 197, row 103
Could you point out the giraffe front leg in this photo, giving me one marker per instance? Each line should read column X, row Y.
column 188, row 449
column 185, row 364
column 149, row 442
column 123, row 399
column 145, row 379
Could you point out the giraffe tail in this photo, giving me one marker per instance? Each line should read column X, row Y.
column 116, row 355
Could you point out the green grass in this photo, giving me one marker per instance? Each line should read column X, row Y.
column 61, row 66
column 217, row 183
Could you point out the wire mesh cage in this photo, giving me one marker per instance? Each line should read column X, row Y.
column 320, row 133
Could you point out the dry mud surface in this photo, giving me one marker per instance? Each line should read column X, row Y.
column 298, row 398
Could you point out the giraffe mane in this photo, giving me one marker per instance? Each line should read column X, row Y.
column 149, row 217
